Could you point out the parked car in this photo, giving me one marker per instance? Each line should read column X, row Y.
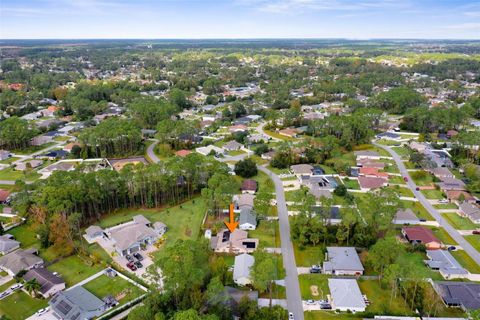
column 443, row 201
column 325, row 306
column 452, row 248
column 476, row 232
column 290, row 316
column 422, row 220
column 131, row 266
column 138, row 264
column 41, row 311
column 129, row 258
column 5, row 293
column 315, row 269
column 405, row 179
column 417, row 188
column 16, row 286
column 138, row 256
column 310, row 302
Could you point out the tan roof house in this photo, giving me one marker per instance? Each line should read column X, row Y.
column 235, row 242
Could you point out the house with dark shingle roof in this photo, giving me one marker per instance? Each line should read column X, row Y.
column 249, row 186
column 50, row 283
column 422, row 235
column 7, row 244
column 465, row 295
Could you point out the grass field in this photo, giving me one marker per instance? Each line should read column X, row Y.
column 73, row 269
column 351, row 184
column 422, row 178
column 474, row 240
column 329, row 315
column 268, row 233
column 308, row 280
column 19, row 305
column 418, row 209
column 380, row 298
column 104, row 286
column 441, row 206
column 466, row 261
column 264, row 182
column 433, row 194
column 403, row 192
column 458, row 222
column 443, row 236
column 183, row 221
column 10, row 174
column 278, row 136
column 308, row 256
column 9, row 160
column 402, row 152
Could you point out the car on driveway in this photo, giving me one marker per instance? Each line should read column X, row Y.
column 131, row 266
column 138, row 264
column 310, row 302
column 315, row 269
column 5, row 293
column 476, row 232
column 138, row 256
column 16, row 286
column 41, row 311
column 129, row 258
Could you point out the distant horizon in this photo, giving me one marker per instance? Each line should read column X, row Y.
column 240, row 39
column 239, row 19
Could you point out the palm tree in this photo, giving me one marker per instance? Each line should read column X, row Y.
column 32, row 286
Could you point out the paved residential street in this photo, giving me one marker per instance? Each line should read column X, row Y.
column 151, row 154
column 455, row 234
column 294, row 299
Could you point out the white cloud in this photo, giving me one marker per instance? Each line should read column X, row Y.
column 465, row 26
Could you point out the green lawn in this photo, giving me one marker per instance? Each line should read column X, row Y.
column 73, row 269
column 183, row 221
column 264, row 182
column 278, row 136
column 236, row 152
column 380, row 299
column 351, row 184
column 418, row 209
column 466, row 261
column 422, row 178
column 474, row 240
column 104, row 286
column 433, row 194
column 445, row 206
column 396, row 180
column 268, row 233
column 309, row 280
column 32, row 149
column 330, row 315
column 19, row 305
column 278, row 292
column 277, row 170
column 402, row 152
column 443, row 236
column 403, row 192
column 458, row 222
column 308, row 256
column 11, row 174
column 9, row 160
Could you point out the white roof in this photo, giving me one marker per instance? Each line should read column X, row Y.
column 343, row 258
column 346, row 293
column 242, row 266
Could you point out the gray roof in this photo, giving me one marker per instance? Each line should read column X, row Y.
column 93, row 230
column 343, row 258
column 232, row 145
column 141, row 219
column 406, row 216
column 130, row 234
column 19, row 260
column 301, row 168
column 445, row 262
column 247, row 216
column 346, row 293
column 366, row 153
column 76, row 304
column 7, row 244
column 244, row 199
column 45, row 278
column 472, row 211
column 465, row 294
column 241, row 268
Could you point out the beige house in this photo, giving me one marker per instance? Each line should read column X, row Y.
column 235, row 242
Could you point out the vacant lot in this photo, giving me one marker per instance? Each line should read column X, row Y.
column 320, row 281
column 268, row 234
column 433, row 194
column 309, row 255
column 382, row 301
column 74, row 269
column 459, row 222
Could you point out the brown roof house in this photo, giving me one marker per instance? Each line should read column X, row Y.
column 49, row 282
column 369, row 183
column 421, row 235
column 249, row 186
column 233, row 242
column 456, row 196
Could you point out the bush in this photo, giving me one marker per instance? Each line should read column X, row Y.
column 246, row 168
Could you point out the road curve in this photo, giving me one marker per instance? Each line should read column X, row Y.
column 294, row 299
column 474, row 254
column 151, row 154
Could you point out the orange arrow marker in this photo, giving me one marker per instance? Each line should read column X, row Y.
column 232, row 224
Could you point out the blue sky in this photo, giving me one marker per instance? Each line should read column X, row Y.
column 147, row 19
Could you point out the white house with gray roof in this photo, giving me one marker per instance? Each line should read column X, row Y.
column 8, row 244
column 346, row 295
column 20, row 260
column 248, row 219
column 445, row 263
column 470, row 211
column 342, row 261
column 77, row 303
column 241, row 269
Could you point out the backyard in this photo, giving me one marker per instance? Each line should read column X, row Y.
column 119, row 288
column 268, row 233
column 20, row 305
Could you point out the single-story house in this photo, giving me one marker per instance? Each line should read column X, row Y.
column 69, row 146
column 233, row 242
column 419, row 234
column 471, row 211
column 42, row 139
column 8, row 244
column 365, row 154
column 442, row 172
column 233, row 146
column 183, row 153
column 342, row 261
column 129, row 237
column 92, row 233
column 369, row 183
column 449, row 184
column 249, row 186
column 77, row 303
column 209, row 149
column 457, row 195
column 372, row 172
column 248, row 219
column 119, row 163
column 241, row 269
column 237, row 128
column 22, row 166
column 50, row 283
column 232, row 297
column 258, row 137
column 243, row 200
column 389, row 136
column 20, row 260
column 405, row 216
column 268, row 155
column 4, row 155
column 367, row 163
column 445, row 263
column 465, row 295
column 346, row 295
column 301, row 169
column 4, row 196
column 288, row 132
